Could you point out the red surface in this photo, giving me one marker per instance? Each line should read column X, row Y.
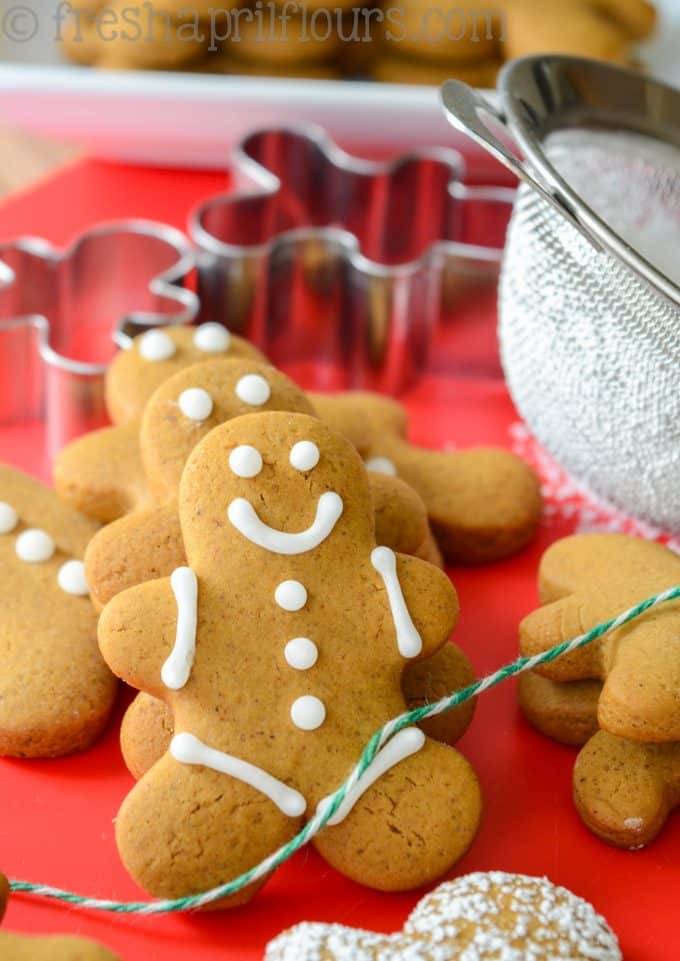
column 57, row 817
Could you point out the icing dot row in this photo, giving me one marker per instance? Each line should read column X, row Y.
column 197, row 404
column 157, row 345
column 307, row 712
column 35, row 546
column 246, row 461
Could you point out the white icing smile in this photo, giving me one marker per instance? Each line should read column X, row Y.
column 242, row 515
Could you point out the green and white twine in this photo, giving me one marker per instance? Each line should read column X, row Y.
column 333, row 802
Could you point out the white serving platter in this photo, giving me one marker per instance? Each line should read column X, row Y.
column 194, row 120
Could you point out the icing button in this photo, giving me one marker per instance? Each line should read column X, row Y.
column 245, row 461
column 290, row 595
column 212, row 338
column 308, row 712
column 8, row 518
column 301, row 653
column 156, row 345
column 253, row 389
column 381, row 465
column 304, row 455
column 71, row 578
column 195, row 403
column 34, row 546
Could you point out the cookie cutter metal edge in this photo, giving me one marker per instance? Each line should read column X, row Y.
column 375, row 319
column 40, row 380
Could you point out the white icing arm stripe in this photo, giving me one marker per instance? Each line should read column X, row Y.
column 409, row 641
column 242, row 515
column 189, row 750
column 177, row 669
column 402, row 745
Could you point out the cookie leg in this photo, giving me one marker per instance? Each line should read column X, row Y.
column 185, row 829
column 564, row 711
column 411, row 826
column 624, row 790
column 429, row 680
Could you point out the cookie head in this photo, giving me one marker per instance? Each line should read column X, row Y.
column 191, row 403
column 158, row 354
column 275, row 484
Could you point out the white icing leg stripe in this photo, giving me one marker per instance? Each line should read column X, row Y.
column 409, row 641
column 242, row 515
column 177, row 669
column 189, row 750
column 403, row 745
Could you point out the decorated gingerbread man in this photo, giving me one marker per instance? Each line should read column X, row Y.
column 56, row 693
column 279, row 649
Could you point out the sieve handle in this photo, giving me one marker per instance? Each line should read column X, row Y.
column 465, row 109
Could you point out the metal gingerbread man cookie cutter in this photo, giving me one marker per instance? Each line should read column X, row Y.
column 62, row 313
column 320, row 256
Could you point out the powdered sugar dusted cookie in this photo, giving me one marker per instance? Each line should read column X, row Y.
column 279, row 649
column 483, row 503
column 21, row 947
column 56, row 693
column 479, row 917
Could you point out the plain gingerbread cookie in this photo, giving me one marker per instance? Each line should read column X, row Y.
column 484, row 503
column 56, row 693
column 279, row 651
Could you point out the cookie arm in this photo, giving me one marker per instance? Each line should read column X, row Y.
column 143, row 546
column 431, row 601
column 137, row 631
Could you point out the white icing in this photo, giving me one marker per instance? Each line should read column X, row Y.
column 212, row 338
column 187, row 749
column 8, row 518
column 242, row 515
column 71, row 578
column 177, row 668
column 381, row 465
column 409, row 641
column 304, row 455
column 245, row 461
column 253, row 389
column 301, row 653
column 308, row 712
column 290, row 595
column 401, row 746
column 156, row 345
column 34, row 546
column 195, row 403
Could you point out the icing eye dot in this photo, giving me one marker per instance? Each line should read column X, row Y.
column 212, row 338
column 308, row 712
column 381, row 465
column 195, row 403
column 304, row 455
column 253, row 389
column 301, row 653
column 8, row 518
column 34, row 546
column 245, row 461
column 290, row 595
column 156, row 345
column 71, row 578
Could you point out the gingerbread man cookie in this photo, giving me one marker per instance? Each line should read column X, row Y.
column 624, row 790
column 101, row 474
column 489, row 916
column 21, row 947
column 279, row 649
column 590, row 578
column 483, row 503
column 56, row 693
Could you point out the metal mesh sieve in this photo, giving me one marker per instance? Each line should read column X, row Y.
column 589, row 320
